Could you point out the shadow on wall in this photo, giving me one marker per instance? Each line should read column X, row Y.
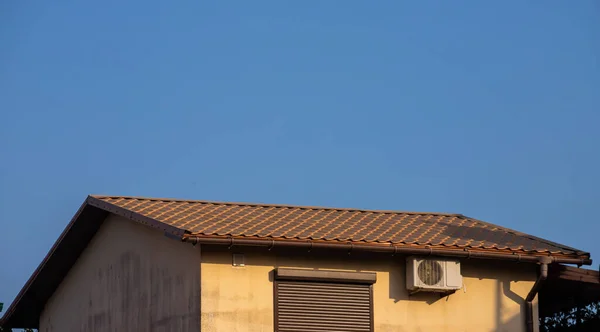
column 507, row 320
column 517, row 321
column 510, row 321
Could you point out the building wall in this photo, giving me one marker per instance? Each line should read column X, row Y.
column 241, row 298
column 129, row 278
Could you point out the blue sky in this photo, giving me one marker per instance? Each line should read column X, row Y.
column 490, row 109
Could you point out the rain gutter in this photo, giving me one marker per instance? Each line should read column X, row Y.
column 390, row 249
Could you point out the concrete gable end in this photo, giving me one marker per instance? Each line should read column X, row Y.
column 129, row 278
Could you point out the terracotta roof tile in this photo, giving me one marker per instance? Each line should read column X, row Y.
column 331, row 224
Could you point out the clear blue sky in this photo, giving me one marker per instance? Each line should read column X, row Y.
column 486, row 108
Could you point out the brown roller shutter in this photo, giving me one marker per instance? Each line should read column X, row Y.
column 305, row 306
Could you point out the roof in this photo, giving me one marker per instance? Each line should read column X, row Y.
column 333, row 224
column 181, row 218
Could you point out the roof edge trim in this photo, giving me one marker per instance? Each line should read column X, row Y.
column 388, row 248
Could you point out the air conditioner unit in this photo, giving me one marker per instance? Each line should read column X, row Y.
column 432, row 275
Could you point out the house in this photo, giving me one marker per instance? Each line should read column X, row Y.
column 145, row 264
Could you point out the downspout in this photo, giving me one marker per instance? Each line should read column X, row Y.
column 544, row 261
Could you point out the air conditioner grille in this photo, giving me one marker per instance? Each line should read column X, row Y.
column 430, row 272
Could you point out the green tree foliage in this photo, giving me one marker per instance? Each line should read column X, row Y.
column 583, row 318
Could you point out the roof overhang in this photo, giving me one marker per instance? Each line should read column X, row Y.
column 567, row 287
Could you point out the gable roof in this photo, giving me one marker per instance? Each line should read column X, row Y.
column 333, row 224
column 185, row 218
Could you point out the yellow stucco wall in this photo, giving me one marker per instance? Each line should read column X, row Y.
column 129, row 278
column 241, row 298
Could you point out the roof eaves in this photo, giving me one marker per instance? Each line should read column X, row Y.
column 516, row 252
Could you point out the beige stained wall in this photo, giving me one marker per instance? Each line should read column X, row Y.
column 237, row 299
column 129, row 278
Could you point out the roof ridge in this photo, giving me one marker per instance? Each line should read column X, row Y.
column 281, row 205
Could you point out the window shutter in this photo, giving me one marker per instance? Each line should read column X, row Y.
column 305, row 306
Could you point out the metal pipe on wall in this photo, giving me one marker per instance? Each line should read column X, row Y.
column 533, row 292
